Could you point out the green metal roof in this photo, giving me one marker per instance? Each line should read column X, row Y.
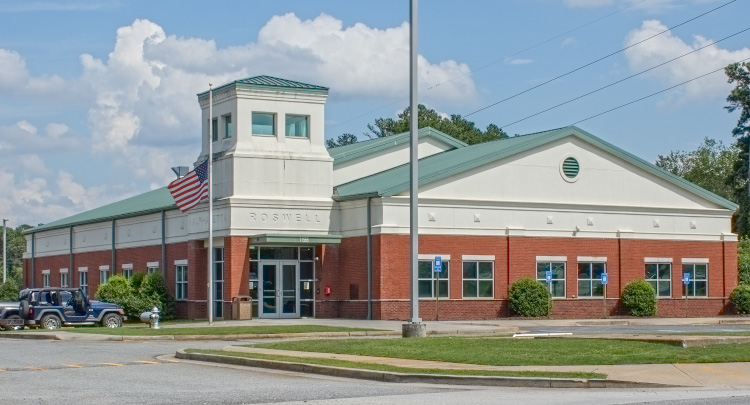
column 269, row 81
column 345, row 153
column 442, row 165
column 147, row 203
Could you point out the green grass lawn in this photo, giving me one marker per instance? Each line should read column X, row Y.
column 523, row 352
column 383, row 367
column 215, row 330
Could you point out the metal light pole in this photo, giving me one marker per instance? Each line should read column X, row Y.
column 5, row 251
column 414, row 327
column 210, row 297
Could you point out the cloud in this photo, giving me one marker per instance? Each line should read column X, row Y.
column 667, row 46
column 569, row 41
column 23, row 138
column 16, row 80
column 517, row 61
column 649, row 6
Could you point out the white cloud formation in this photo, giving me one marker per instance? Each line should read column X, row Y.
column 23, row 138
column 518, row 61
column 667, row 46
column 16, row 80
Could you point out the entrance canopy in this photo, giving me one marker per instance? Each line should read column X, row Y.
column 295, row 240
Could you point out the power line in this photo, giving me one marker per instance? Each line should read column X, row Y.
column 654, row 94
column 598, row 60
column 494, row 62
column 622, row 80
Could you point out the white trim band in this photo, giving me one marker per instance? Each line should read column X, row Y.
column 152, row 264
column 591, row 259
column 64, row 270
column 104, row 268
column 181, row 262
column 478, row 257
column 45, row 271
column 128, row 266
column 552, row 258
column 694, row 260
column 83, row 269
column 657, row 260
column 433, row 256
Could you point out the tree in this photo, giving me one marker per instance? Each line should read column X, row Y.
column 739, row 99
column 16, row 248
column 711, row 166
column 455, row 126
column 344, row 139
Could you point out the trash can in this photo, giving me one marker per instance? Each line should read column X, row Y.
column 242, row 308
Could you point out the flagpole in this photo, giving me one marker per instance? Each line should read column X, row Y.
column 209, row 303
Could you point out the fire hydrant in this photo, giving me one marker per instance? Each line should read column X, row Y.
column 154, row 318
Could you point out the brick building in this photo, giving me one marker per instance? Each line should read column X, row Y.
column 308, row 232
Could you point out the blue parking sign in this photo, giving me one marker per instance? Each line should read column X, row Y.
column 686, row 278
column 548, row 276
column 437, row 264
column 604, row 278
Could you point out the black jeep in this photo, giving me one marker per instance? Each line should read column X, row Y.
column 51, row 307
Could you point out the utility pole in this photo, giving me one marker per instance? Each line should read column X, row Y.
column 5, row 251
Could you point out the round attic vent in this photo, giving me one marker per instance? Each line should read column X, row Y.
column 570, row 167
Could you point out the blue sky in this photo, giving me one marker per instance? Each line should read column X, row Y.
column 97, row 98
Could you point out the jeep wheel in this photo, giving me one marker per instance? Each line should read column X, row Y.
column 50, row 322
column 23, row 309
column 16, row 327
column 112, row 321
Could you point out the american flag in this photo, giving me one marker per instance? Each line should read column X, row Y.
column 190, row 190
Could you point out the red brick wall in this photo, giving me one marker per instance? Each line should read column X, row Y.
column 625, row 263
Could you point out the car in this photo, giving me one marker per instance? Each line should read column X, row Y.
column 10, row 318
column 51, row 308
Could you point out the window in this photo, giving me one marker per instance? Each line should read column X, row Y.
column 181, row 277
column 254, row 268
column 659, row 275
column 63, row 278
column 45, row 278
column 698, row 285
column 557, row 286
column 590, row 279
column 152, row 270
column 83, row 281
column 227, row 126
column 264, row 124
column 214, row 129
column 127, row 271
column 306, row 281
column 103, row 275
column 296, row 126
column 428, row 280
column 478, row 280
column 218, row 282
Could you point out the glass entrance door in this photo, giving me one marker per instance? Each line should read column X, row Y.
column 279, row 295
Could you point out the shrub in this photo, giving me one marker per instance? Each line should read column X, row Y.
column 529, row 297
column 740, row 297
column 639, row 297
column 9, row 290
column 139, row 294
column 743, row 259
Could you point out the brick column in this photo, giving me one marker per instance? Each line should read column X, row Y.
column 236, row 267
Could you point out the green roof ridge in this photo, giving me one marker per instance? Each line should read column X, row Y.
column 391, row 182
column 269, row 81
column 341, row 154
column 147, row 203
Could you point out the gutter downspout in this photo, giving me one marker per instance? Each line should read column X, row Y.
column 33, row 251
column 163, row 244
column 70, row 265
column 369, row 260
column 114, row 252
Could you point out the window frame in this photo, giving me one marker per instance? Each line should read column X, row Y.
column 693, row 279
column 432, row 279
column 214, row 128
column 273, row 121
column 543, row 279
column 45, row 278
column 227, row 126
column 590, row 280
column 477, row 279
column 181, row 282
column 103, row 274
column 307, row 126
column 83, row 281
column 658, row 280
column 63, row 278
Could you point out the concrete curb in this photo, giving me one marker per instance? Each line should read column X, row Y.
column 385, row 376
column 124, row 338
